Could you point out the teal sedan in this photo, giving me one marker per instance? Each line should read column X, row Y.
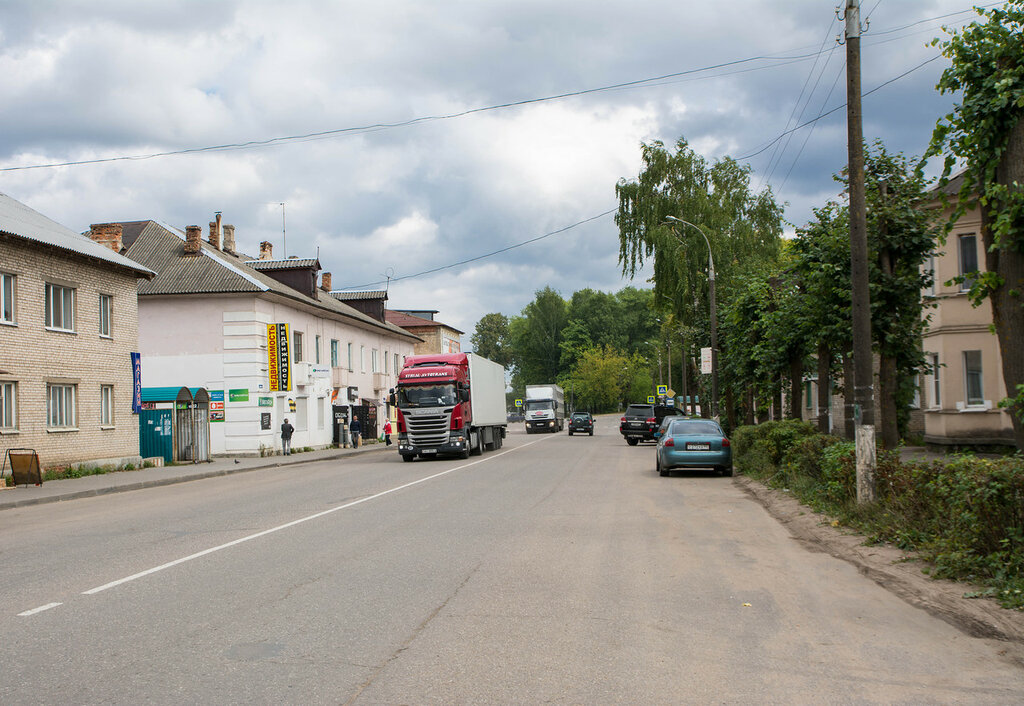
column 693, row 443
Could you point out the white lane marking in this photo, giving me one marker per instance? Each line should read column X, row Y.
column 293, row 523
column 40, row 609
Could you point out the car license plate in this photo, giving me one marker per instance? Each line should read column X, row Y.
column 698, row 446
column 637, row 424
column 429, row 451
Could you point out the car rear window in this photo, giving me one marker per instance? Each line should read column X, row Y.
column 640, row 410
column 693, row 427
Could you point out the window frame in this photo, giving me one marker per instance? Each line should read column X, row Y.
column 8, row 298
column 350, row 357
column 936, row 401
column 374, row 360
column 106, row 405
column 362, row 359
column 316, row 349
column 66, row 417
column 108, row 313
column 963, row 254
column 334, row 352
column 978, row 374
column 296, row 346
column 67, row 298
column 8, row 405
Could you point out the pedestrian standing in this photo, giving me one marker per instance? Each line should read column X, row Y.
column 286, row 437
column 387, row 432
column 355, row 429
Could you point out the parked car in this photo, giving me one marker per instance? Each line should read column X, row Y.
column 641, row 421
column 582, row 422
column 692, row 442
column 515, row 417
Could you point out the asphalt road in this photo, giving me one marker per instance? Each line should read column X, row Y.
column 559, row 569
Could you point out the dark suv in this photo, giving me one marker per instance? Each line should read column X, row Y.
column 582, row 422
column 642, row 420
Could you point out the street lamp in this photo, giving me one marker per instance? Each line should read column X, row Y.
column 714, row 312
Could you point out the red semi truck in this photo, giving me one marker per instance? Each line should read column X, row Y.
column 450, row 404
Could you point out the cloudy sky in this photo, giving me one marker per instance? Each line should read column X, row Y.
column 404, row 136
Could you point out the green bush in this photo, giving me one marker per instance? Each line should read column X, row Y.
column 963, row 514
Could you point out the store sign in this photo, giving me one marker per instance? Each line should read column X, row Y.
column 136, row 383
column 279, row 358
column 238, row 395
column 266, row 402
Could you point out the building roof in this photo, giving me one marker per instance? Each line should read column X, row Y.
column 17, row 219
column 290, row 264
column 352, row 296
column 407, row 321
column 213, row 271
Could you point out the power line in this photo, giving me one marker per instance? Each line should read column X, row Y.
column 490, row 254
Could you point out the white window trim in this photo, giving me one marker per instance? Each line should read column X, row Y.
column 109, row 314
column 9, row 391
column 13, row 279
column 967, row 404
column 107, row 406
column 70, row 409
column 48, row 290
column 935, row 401
column 966, row 284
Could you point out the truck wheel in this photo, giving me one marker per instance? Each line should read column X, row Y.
column 632, row 441
column 570, row 432
column 476, row 444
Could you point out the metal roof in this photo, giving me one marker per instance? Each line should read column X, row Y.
column 292, row 264
column 353, row 296
column 19, row 220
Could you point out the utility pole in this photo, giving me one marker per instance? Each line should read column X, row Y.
column 861, row 303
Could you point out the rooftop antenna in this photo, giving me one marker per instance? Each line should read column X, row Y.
column 388, row 274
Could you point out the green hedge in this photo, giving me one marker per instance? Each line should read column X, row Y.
column 963, row 514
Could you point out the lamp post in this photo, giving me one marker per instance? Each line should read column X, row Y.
column 714, row 312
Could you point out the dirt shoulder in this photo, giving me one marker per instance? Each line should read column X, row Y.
column 893, row 569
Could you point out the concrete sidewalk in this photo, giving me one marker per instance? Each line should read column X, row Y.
column 121, row 481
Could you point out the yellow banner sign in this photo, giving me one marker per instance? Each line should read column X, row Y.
column 279, row 358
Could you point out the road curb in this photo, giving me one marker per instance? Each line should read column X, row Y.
column 893, row 570
column 272, row 462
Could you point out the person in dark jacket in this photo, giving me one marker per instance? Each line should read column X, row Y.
column 286, row 437
column 355, row 429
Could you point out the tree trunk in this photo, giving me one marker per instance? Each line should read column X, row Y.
column 750, row 405
column 887, row 382
column 824, row 386
column 1008, row 263
column 849, row 422
column 730, row 407
column 796, row 387
column 777, row 401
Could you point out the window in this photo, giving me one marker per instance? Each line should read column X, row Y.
column 386, row 371
column 972, row 379
column 929, row 270
column 334, row 353
column 362, row 359
column 321, row 403
column 60, row 406
column 350, row 357
column 106, row 405
column 397, row 369
column 808, row 395
column 301, row 413
column 968, row 260
column 6, row 298
column 936, row 387
column 60, row 308
column 8, row 405
column 316, row 351
column 374, row 365
column 297, row 346
column 106, row 309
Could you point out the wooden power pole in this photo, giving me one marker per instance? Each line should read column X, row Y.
column 861, row 303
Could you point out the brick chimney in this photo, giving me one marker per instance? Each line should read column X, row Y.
column 193, row 240
column 215, row 232
column 266, row 250
column 229, row 239
column 108, row 234
column 325, row 281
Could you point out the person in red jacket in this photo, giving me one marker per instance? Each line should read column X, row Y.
column 387, row 432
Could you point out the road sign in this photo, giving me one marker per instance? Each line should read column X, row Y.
column 519, row 403
column 662, row 390
column 650, row 399
column 671, row 393
column 705, row 361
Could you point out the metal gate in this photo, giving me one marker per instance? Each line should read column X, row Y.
column 155, row 437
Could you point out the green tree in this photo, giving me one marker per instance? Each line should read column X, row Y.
column 536, row 338
column 985, row 132
column 743, row 228
column 491, row 338
column 605, row 378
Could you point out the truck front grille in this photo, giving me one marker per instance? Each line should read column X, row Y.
column 428, row 429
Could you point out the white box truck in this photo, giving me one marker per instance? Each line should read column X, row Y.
column 544, row 408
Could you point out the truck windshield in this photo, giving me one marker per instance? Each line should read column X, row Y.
column 537, row 405
column 426, row 395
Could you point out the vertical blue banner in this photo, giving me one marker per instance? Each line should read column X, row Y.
column 136, row 383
